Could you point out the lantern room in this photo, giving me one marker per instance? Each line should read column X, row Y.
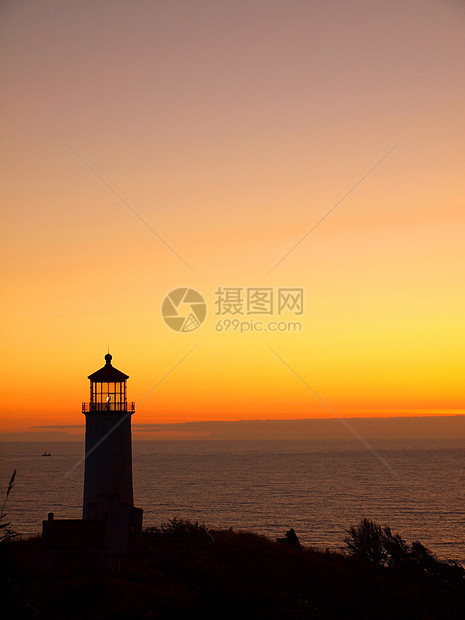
column 108, row 390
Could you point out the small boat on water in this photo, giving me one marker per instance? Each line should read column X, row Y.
column 45, row 453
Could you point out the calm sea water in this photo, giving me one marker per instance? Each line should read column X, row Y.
column 317, row 487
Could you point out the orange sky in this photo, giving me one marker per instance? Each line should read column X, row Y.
column 231, row 128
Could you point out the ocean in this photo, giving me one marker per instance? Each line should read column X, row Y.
column 317, row 487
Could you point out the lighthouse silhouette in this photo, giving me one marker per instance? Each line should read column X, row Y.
column 108, row 491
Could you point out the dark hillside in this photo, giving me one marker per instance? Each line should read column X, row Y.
column 239, row 575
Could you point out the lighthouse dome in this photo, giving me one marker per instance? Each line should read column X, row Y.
column 108, row 374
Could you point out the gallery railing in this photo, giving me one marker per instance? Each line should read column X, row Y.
column 89, row 407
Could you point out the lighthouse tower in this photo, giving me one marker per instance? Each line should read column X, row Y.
column 108, row 494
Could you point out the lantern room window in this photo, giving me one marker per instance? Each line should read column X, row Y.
column 108, row 396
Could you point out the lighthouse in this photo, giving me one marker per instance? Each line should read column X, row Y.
column 108, row 491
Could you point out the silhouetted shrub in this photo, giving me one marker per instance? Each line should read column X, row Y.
column 365, row 542
column 291, row 539
column 424, row 560
column 177, row 526
column 370, row 543
column 179, row 530
column 397, row 550
column 6, row 533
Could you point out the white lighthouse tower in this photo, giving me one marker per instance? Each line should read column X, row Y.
column 108, row 493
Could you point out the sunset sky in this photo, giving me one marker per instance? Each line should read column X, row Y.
column 228, row 129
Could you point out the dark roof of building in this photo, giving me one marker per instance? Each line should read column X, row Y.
column 73, row 533
column 108, row 374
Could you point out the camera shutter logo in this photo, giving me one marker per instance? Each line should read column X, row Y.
column 184, row 310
